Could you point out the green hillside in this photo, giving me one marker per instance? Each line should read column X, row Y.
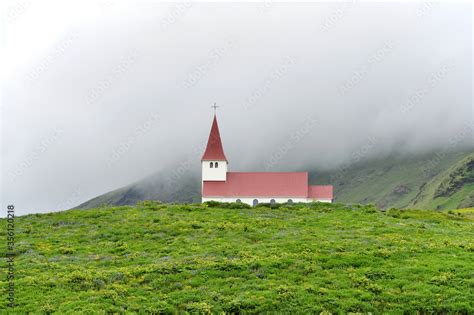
column 399, row 181
column 160, row 186
column 453, row 188
column 208, row 258
column 392, row 181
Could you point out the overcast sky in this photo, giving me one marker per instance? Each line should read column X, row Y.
column 98, row 95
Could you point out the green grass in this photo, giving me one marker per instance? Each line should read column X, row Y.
column 201, row 259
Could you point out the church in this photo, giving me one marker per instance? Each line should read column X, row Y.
column 218, row 184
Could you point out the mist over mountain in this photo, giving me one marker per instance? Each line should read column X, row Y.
column 100, row 95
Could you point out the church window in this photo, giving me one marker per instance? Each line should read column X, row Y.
column 272, row 202
column 255, row 202
column 212, row 165
column 238, row 201
column 290, row 201
column 216, row 165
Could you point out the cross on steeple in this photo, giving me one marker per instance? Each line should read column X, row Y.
column 215, row 108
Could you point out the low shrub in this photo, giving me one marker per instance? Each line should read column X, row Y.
column 227, row 205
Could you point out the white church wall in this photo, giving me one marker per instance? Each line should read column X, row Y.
column 214, row 174
column 249, row 201
column 320, row 200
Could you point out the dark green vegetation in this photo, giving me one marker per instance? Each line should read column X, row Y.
column 394, row 181
column 229, row 258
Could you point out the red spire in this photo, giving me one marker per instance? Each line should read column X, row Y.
column 214, row 150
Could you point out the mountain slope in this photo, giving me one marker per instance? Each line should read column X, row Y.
column 453, row 188
column 188, row 259
column 160, row 186
column 394, row 181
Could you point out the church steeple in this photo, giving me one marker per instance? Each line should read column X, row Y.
column 214, row 149
column 213, row 162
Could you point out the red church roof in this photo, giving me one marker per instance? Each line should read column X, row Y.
column 320, row 192
column 242, row 184
column 214, row 149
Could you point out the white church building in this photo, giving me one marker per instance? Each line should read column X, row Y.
column 219, row 184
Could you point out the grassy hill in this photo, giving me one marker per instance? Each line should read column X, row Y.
column 202, row 258
column 399, row 181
